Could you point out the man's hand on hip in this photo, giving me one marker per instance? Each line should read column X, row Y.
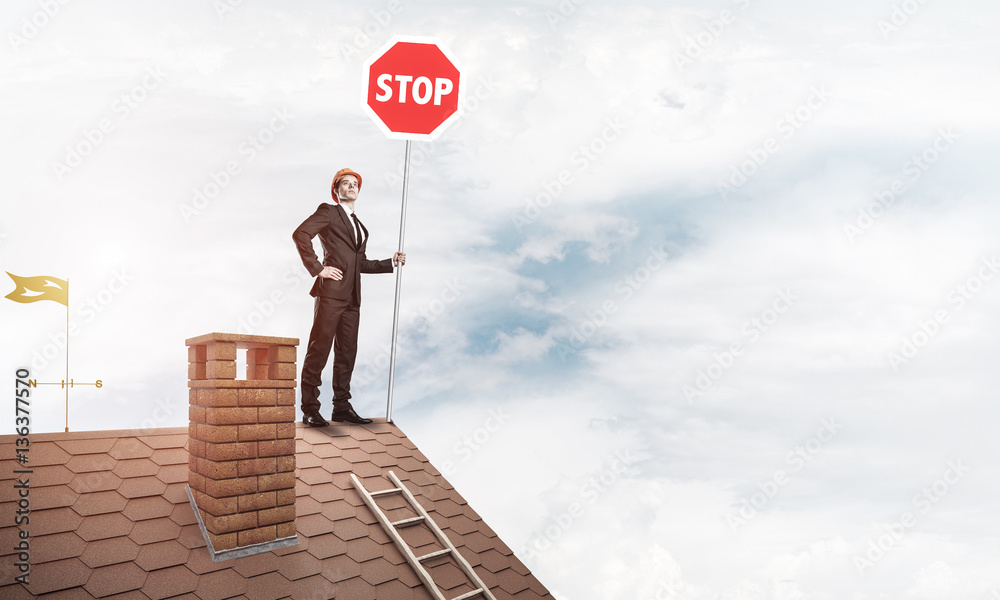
column 331, row 273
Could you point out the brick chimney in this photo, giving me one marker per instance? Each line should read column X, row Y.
column 241, row 482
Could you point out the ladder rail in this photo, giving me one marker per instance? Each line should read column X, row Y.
column 443, row 539
column 422, row 573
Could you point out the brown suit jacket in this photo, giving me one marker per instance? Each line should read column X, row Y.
column 336, row 233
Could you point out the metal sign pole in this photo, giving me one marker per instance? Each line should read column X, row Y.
column 399, row 280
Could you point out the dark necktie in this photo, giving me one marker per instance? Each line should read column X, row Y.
column 357, row 231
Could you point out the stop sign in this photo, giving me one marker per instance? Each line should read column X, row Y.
column 412, row 88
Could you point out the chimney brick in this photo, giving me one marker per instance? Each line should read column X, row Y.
column 258, row 432
column 248, row 502
column 242, row 441
column 258, row 397
column 286, row 397
column 281, row 371
column 276, row 448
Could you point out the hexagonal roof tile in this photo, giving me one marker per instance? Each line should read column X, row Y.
column 156, row 442
column 99, row 527
column 340, row 568
column 170, row 582
column 217, row 585
column 51, row 475
column 150, row 507
column 98, row 481
column 84, row 463
column 511, row 581
column 316, row 587
column 327, row 545
column 299, row 565
column 336, row 464
column 314, row 476
column 87, row 446
column 267, row 586
column 57, row 546
column 460, row 524
column 135, row 467
column 183, row 514
column 311, row 525
column 52, row 497
column 154, row 530
column 170, row 456
column 138, row 487
column 160, row 555
column 99, row 503
column 54, row 520
column 173, row 473
column 109, row 551
column 350, row 529
column 364, row 549
column 258, row 564
column 129, row 447
column 190, row 537
column 58, row 575
column 47, row 453
column 378, row 570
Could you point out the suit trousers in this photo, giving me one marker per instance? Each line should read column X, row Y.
column 335, row 323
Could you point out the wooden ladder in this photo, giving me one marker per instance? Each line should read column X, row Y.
column 422, row 517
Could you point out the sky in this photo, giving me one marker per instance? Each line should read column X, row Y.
column 700, row 299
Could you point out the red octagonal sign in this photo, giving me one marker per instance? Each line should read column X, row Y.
column 412, row 88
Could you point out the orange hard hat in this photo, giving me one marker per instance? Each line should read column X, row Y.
column 340, row 175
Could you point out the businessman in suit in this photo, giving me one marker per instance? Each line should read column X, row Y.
column 337, row 293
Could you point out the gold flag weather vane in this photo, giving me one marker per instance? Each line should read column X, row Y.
column 43, row 287
column 33, row 289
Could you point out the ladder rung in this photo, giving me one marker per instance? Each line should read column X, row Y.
column 407, row 522
column 383, row 492
column 433, row 554
column 475, row 592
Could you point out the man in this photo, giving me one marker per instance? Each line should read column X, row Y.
column 337, row 290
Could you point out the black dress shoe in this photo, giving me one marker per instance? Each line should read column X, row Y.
column 350, row 416
column 314, row 420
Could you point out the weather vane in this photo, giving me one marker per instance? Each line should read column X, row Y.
column 42, row 287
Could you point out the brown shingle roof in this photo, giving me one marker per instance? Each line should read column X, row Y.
column 110, row 518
